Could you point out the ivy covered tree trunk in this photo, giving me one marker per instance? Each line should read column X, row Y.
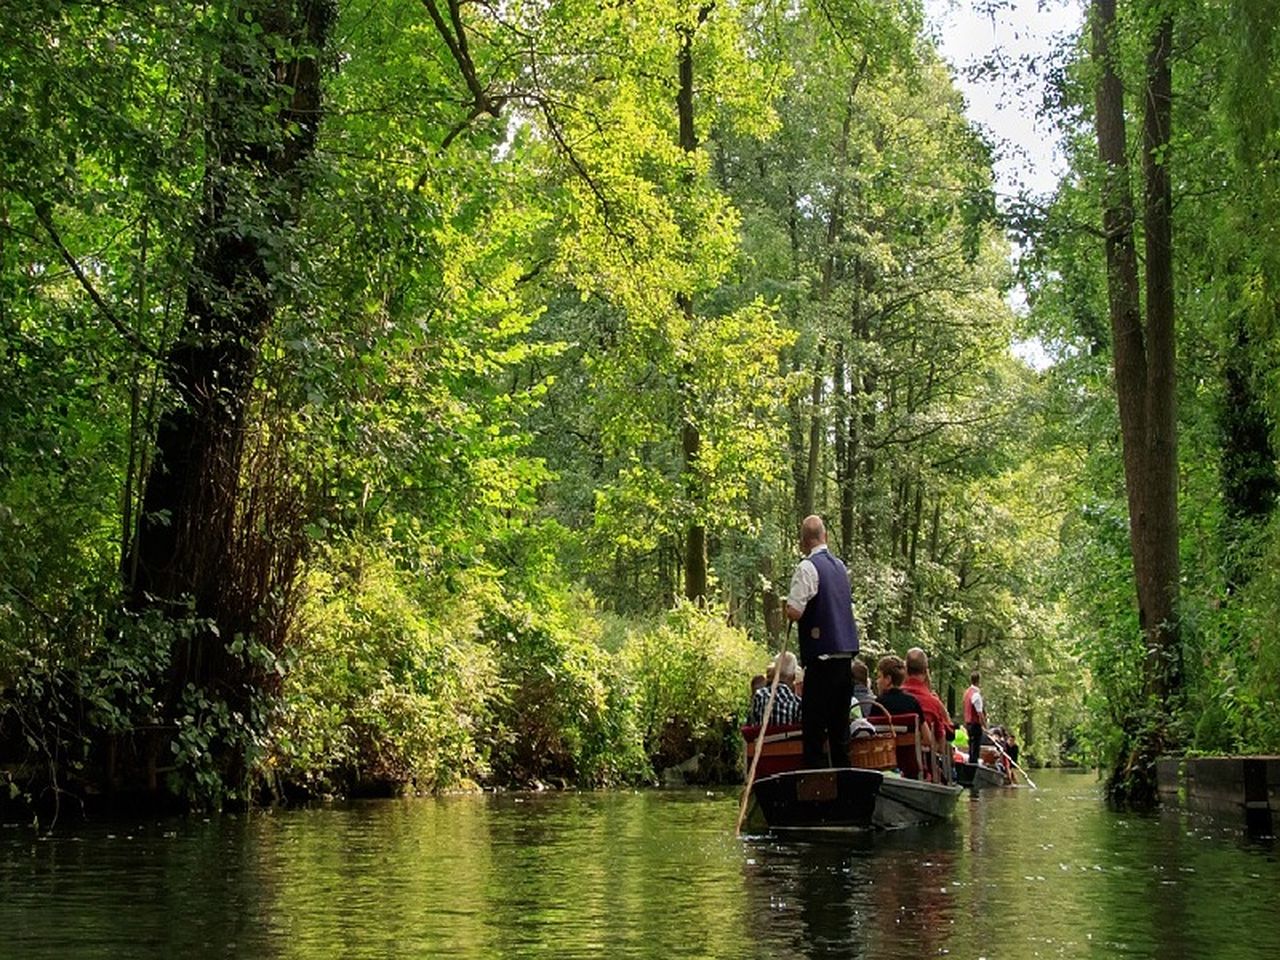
column 260, row 137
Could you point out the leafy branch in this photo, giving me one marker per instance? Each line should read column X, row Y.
column 46, row 220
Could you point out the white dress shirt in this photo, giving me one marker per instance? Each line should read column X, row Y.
column 804, row 582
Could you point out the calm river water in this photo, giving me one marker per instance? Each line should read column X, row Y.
column 1019, row 874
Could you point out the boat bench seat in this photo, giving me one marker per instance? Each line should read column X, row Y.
column 783, row 748
column 914, row 760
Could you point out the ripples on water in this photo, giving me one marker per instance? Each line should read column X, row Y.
column 1018, row 874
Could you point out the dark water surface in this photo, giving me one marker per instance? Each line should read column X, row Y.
column 1019, row 874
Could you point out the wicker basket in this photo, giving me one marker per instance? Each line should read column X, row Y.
column 877, row 752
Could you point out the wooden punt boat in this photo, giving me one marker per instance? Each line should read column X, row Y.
column 872, row 794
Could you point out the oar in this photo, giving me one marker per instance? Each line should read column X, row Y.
column 764, row 725
column 1031, row 783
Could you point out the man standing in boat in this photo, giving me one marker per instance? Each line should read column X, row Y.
column 821, row 600
column 975, row 717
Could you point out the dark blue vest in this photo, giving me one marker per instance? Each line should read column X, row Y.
column 827, row 623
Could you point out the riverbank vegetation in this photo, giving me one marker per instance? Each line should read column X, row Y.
column 416, row 393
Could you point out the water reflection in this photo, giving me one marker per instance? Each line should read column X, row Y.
column 863, row 896
column 1018, row 874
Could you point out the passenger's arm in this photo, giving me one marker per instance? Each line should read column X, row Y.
column 927, row 727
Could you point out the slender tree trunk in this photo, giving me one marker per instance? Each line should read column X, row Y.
column 695, row 540
column 839, row 412
column 847, row 518
column 793, row 228
column 1162, row 417
column 870, row 384
column 912, row 583
column 814, row 461
column 935, row 528
column 853, row 402
column 799, row 457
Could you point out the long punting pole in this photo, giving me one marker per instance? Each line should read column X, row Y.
column 764, row 725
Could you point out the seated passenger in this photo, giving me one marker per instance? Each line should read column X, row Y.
column 1006, row 742
column 917, row 684
column 894, row 699
column 1011, row 751
column 786, row 706
column 862, row 695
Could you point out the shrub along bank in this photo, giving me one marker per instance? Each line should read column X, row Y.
column 389, row 682
column 401, row 684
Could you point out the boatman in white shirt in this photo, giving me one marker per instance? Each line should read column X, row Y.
column 975, row 717
column 821, row 600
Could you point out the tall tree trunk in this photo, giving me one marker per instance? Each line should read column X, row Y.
column 185, row 530
column 814, row 460
column 1144, row 369
column 797, row 448
column 870, row 384
column 858, row 387
column 912, row 582
column 1161, row 482
column 849, row 475
column 1128, row 347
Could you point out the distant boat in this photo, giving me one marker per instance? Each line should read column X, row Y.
column 980, row 776
column 870, row 795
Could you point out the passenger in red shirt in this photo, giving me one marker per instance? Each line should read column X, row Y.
column 917, row 684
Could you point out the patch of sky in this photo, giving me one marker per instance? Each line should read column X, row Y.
column 1002, row 53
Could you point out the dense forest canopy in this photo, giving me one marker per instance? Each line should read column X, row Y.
column 422, row 392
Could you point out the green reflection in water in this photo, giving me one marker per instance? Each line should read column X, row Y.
column 1023, row 874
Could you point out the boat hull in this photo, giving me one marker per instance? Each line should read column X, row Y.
column 830, row 800
column 818, row 801
column 903, row 803
column 979, row 776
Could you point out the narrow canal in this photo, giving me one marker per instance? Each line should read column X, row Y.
column 1019, row 874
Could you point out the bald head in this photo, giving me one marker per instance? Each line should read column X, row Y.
column 812, row 532
column 917, row 662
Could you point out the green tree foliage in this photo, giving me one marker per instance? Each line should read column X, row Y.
column 377, row 373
